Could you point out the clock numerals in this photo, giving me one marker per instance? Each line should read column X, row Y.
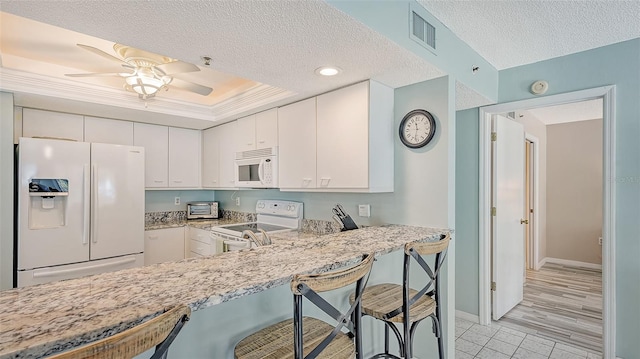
column 417, row 128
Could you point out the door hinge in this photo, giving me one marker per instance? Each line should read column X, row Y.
column 493, row 211
column 493, row 286
column 494, row 136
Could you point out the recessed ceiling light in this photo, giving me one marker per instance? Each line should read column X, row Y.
column 327, row 71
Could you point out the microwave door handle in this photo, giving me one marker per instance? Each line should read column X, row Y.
column 261, row 171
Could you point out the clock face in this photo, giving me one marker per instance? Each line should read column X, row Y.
column 417, row 128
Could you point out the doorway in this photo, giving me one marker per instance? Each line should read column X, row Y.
column 607, row 94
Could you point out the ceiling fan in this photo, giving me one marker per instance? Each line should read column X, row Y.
column 149, row 72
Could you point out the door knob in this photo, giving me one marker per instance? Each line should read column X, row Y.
column 524, row 221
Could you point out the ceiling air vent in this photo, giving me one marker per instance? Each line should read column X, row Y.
column 422, row 32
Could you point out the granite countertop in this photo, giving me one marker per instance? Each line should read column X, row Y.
column 196, row 223
column 44, row 319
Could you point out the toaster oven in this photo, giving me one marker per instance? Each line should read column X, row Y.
column 202, row 210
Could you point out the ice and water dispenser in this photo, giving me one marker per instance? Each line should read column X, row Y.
column 48, row 202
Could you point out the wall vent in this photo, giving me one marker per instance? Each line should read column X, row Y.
column 422, row 32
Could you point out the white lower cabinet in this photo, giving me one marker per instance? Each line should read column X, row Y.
column 164, row 245
column 200, row 243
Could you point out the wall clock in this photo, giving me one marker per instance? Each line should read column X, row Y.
column 417, row 128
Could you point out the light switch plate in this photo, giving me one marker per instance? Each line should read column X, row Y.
column 364, row 210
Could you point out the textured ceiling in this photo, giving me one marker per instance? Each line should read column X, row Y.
column 570, row 112
column 277, row 43
column 513, row 33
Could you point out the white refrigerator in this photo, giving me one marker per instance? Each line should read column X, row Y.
column 80, row 209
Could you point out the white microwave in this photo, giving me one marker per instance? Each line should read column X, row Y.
column 257, row 168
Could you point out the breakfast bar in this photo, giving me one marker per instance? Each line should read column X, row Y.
column 44, row 319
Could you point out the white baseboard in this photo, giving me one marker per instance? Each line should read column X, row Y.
column 541, row 263
column 570, row 263
column 467, row 316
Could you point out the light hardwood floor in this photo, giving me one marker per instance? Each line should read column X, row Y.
column 563, row 304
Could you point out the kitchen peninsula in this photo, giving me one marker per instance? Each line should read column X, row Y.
column 45, row 319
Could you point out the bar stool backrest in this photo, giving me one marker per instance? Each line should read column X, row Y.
column 159, row 331
column 309, row 285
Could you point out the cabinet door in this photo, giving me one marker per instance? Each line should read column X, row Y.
column 297, row 144
column 163, row 245
column 103, row 130
column 184, row 157
column 211, row 158
column 246, row 128
column 267, row 129
column 38, row 123
column 228, row 148
column 155, row 140
column 343, row 138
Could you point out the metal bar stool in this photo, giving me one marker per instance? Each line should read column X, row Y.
column 159, row 332
column 394, row 303
column 307, row 337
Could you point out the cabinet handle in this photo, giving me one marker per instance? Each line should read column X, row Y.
column 261, row 141
column 177, row 181
column 324, row 181
column 153, row 237
column 250, row 144
column 158, row 181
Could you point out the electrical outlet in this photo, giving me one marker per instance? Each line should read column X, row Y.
column 177, row 201
column 600, row 240
column 237, row 201
column 364, row 210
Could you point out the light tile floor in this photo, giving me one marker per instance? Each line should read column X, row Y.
column 474, row 341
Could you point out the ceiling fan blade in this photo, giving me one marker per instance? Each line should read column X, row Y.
column 177, row 67
column 101, row 53
column 95, row 74
column 190, row 86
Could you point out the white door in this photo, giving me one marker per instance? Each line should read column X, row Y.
column 508, row 199
column 52, row 230
column 117, row 195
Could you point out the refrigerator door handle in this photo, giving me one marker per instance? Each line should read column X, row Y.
column 53, row 273
column 94, row 204
column 86, row 193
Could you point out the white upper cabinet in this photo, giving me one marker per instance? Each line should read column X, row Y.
column 155, row 140
column 184, row 157
column 228, row 140
column 297, row 145
column 258, row 131
column 267, row 129
column 102, row 130
column 246, row 128
column 341, row 141
column 211, row 158
column 39, row 123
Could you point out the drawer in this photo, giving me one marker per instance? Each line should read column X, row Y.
column 200, row 235
column 201, row 248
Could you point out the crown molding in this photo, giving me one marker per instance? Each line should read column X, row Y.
column 25, row 82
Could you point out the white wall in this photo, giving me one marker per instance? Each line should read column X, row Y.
column 6, row 190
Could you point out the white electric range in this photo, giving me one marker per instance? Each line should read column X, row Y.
column 273, row 216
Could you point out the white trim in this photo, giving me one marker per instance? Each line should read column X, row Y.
column 607, row 93
column 467, row 316
column 542, row 262
column 573, row 263
column 536, row 197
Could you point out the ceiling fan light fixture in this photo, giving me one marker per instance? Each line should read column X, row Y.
column 146, row 86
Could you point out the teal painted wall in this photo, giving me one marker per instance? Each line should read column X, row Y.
column 467, row 228
column 618, row 65
column 160, row 201
column 6, row 190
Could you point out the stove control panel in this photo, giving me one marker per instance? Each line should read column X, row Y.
column 280, row 208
